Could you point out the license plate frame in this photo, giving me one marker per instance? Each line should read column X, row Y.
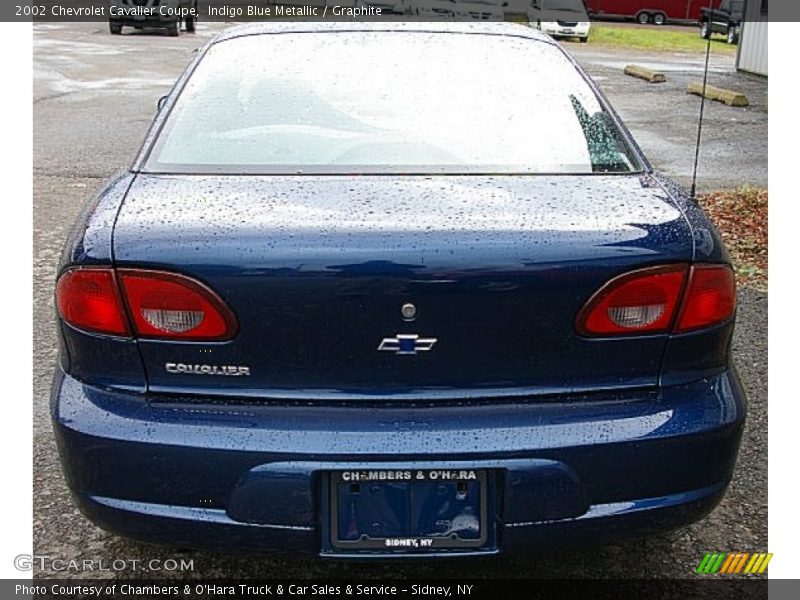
column 475, row 485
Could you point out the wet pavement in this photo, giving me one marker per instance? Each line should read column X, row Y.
column 94, row 96
column 663, row 118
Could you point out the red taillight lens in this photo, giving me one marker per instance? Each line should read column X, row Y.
column 160, row 305
column 167, row 305
column 643, row 301
column 656, row 300
column 710, row 298
column 89, row 299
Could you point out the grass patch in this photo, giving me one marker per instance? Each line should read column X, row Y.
column 741, row 216
column 656, row 40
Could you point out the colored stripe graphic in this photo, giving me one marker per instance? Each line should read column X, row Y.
column 741, row 562
column 729, row 562
column 711, row 562
column 758, row 564
column 751, row 564
column 715, row 567
column 764, row 564
column 701, row 568
column 734, row 562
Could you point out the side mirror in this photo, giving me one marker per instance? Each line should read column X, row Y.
column 162, row 101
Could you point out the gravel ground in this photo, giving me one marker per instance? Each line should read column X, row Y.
column 92, row 102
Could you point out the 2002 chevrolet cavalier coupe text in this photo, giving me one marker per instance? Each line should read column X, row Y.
column 372, row 290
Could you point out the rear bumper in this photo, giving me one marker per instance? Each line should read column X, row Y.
column 250, row 476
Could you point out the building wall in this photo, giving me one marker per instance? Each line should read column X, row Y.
column 753, row 44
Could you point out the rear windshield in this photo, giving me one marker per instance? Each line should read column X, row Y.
column 387, row 102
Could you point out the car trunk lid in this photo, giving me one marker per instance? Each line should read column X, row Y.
column 316, row 270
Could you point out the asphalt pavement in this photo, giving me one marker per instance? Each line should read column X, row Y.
column 664, row 118
column 94, row 95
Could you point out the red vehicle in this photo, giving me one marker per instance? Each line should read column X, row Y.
column 649, row 11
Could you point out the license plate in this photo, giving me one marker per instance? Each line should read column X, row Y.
column 568, row 31
column 408, row 510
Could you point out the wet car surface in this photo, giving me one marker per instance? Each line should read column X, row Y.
column 187, row 232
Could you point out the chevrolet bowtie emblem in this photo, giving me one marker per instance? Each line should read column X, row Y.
column 405, row 343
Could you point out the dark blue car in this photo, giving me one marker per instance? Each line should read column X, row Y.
column 380, row 290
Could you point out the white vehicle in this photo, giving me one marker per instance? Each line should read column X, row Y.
column 560, row 18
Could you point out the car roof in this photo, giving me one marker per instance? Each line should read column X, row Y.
column 484, row 28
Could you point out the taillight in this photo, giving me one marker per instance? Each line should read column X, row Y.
column 674, row 298
column 168, row 305
column 89, row 299
column 643, row 301
column 159, row 304
column 710, row 298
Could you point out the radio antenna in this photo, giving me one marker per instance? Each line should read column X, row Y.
column 702, row 102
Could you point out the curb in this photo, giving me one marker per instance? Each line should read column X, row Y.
column 729, row 97
column 646, row 74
